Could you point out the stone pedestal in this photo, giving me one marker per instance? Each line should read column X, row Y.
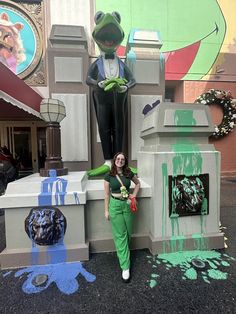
column 68, row 195
column 81, row 201
column 176, row 147
column 143, row 58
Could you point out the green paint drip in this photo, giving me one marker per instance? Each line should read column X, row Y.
column 164, row 202
column 174, row 224
column 177, row 243
column 200, row 243
column 204, row 206
column 217, row 178
column 188, row 159
column 184, row 117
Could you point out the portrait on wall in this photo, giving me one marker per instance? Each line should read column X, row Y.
column 21, row 46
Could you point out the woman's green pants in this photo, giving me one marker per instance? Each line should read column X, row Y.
column 121, row 219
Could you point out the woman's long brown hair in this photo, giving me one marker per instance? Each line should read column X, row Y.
column 126, row 169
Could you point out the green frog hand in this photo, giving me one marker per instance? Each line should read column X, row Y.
column 115, row 84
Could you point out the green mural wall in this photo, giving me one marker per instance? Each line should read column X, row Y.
column 199, row 36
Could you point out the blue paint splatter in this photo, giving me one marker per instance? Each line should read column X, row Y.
column 64, row 275
column 6, row 274
column 58, row 271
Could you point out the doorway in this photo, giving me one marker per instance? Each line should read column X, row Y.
column 27, row 143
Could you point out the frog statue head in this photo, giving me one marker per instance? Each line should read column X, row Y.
column 108, row 34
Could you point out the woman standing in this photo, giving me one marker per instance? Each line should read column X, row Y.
column 117, row 208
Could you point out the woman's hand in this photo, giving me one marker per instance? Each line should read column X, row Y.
column 132, row 196
column 107, row 214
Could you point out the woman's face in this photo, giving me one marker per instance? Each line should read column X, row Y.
column 120, row 161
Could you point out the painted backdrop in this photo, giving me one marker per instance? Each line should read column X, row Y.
column 199, row 36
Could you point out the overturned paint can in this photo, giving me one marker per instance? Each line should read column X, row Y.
column 198, row 263
column 40, row 280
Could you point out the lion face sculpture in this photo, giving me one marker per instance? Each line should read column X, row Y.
column 188, row 195
column 45, row 225
column 12, row 51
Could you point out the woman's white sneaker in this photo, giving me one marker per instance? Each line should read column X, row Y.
column 125, row 274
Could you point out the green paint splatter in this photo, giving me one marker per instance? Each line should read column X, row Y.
column 205, row 279
column 229, row 257
column 213, row 260
column 152, row 283
column 217, row 274
column 191, row 274
column 212, row 264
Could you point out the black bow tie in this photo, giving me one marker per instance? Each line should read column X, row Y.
column 109, row 56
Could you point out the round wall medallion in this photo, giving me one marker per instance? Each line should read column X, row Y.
column 45, row 225
column 20, row 39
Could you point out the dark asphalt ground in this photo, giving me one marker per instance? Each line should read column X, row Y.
column 107, row 294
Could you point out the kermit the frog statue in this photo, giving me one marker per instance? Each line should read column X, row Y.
column 110, row 80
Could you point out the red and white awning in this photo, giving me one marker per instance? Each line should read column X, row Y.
column 16, row 92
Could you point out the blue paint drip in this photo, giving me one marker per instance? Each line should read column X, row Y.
column 60, row 184
column 34, row 254
column 76, row 196
column 131, row 35
column 64, row 275
column 131, row 60
column 56, row 253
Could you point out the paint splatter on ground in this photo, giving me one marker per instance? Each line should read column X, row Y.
column 64, row 275
column 215, row 265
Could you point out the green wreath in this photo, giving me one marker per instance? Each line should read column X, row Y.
column 228, row 105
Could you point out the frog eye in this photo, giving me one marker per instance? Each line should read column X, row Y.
column 98, row 16
column 116, row 15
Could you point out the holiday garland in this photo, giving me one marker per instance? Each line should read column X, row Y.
column 228, row 105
